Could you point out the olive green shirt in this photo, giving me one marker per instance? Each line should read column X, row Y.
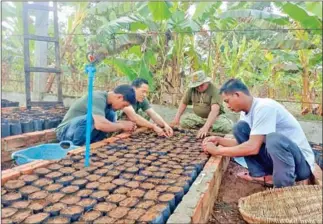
column 144, row 105
column 202, row 102
column 79, row 107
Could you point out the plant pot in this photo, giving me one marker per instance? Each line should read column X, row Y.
column 119, row 212
column 135, row 213
column 93, row 177
column 38, row 124
column 107, row 187
column 80, row 174
column 73, row 212
column 122, row 190
column 42, row 171
column 67, row 170
column 145, row 204
column 129, row 202
column 38, row 206
column 40, row 183
column 127, row 176
column 8, row 212
column 13, row 185
column 20, row 216
column 169, row 199
column 145, row 173
column 85, row 193
column 114, row 173
column 90, row 216
column 66, row 162
column 146, row 186
column 104, row 220
column 54, row 167
column 70, row 189
column 87, row 203
column 99, row 195
column 81, row 183
column 120, row 181
column 138, row 193
column 55, row 209
column 58, row 220
column 15, row 128
column 37, row 218
column 151, row 195
column 55, row 197
column 184, row 184
column 104, row 207
column 27, row 126
column 20, row 204
column 178, row 192
column 39, row 195
column 105, row 179
column 101, row 172
column 65, row 180
column 70, row 199
column 154, row 181
column 115, row 198
column 54, row 175
column 133, row 184
column 27, row 190
column 52, row 188
column 5, row 130
column 92, row 185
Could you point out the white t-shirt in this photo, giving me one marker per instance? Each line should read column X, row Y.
column 267, row 116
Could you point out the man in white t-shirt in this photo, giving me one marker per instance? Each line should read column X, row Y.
column 268, row 136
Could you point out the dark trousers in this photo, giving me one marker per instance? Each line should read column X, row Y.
column 75, row 130
column 278, row 156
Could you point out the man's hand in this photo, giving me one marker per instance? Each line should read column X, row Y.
column 159, row 131
column 202, row 132
column 209, row 148
column 168, row 130
column 175, row 122
column 127, row 125
column 213, row 139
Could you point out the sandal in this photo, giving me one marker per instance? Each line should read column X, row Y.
column 265, row 180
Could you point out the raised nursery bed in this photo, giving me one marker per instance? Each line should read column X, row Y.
column 138, row 179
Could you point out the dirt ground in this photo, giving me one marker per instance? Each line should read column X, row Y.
column 232, row 188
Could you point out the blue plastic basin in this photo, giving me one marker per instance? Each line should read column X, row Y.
column 45, row 152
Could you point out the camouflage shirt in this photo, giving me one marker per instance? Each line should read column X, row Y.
column 202, row 102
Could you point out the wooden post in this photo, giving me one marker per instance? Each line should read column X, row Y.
column 26, row 56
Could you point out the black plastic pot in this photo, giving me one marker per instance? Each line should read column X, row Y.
column 5, row 130
column 38, row 124
column 15, row 128
column 27, row 126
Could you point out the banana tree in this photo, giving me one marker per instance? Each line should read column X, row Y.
column 303, row 19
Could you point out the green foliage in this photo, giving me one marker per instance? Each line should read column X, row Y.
column 130, row 37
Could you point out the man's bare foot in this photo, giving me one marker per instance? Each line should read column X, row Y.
column 265, row 180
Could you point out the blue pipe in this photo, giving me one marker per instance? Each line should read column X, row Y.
column 90, row 70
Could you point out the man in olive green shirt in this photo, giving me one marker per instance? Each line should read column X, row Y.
column 73, row 126
column 141, row 112
column 207, row 107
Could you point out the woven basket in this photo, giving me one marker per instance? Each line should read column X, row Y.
column 297, row 204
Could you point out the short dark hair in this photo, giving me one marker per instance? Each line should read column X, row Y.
column 127, row 92
column 234, row 85
column 138, row 82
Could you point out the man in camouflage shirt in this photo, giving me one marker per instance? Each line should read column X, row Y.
column 207, row 107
